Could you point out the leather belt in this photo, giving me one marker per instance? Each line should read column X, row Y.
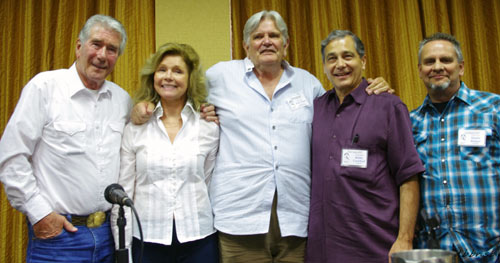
column 93, row 220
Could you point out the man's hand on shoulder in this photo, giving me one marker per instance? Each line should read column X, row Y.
column 52, row 225
column 142, row 112
column 377, row 86
column 207, row 112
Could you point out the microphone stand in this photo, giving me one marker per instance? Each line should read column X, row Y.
column 122, row 252
column 115, row 194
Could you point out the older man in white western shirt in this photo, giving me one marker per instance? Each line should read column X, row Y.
column 61, row 147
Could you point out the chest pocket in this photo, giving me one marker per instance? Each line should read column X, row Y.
column 363, row 175
column 302, row 115
column 70, row 136
column 478, row 154
column 421, row 144
column 298, row 108
column 116, row 132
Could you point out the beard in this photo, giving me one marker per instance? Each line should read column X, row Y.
column 440, row 87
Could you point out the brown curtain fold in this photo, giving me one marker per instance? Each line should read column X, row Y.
column 391, row 31
column 40, row 35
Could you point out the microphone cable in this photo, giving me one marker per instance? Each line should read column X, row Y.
column 140, row 232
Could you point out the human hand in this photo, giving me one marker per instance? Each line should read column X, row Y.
column 207, row 112
column 52, row 225
column 377, row 86
column 400, row 245
column 142, row 112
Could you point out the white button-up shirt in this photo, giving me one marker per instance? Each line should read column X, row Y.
column 60, row 149
column 167, row 180
column 264, row 145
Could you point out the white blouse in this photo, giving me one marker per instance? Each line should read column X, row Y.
column 168, row 180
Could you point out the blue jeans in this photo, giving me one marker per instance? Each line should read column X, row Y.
column 199, row 251
column 93, row 245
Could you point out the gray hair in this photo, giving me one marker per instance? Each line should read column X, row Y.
column 254, row 21
column 339, row 34
column 107, row 22
column 445, row 37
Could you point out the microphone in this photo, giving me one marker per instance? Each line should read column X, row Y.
column 115, row 194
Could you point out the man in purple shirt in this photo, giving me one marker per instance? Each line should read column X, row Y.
column 364, row 197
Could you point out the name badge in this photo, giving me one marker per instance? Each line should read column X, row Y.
column 472, row 138
column 297, row 101
column 354, row 158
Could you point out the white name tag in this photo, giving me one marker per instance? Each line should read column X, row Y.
column 297, row 101
column 354, row 158
column 472, row 138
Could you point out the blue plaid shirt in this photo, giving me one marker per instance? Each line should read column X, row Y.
column 461, row 184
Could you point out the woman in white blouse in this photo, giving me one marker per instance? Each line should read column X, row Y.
column 166, row 163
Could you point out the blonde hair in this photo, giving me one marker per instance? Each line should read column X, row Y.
column 196, row 91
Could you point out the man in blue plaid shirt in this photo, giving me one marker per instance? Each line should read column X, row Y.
column 456, row 132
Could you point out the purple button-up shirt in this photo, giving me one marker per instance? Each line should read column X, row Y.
column 354, row 215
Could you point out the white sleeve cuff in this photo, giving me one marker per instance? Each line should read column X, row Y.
column 37, row 208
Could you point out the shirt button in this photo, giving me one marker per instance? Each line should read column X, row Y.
column 276, row 167
column 274, row 127
column 442, row 139
column 443, row 160
column 272, row 109
column 334, row 137
column 442, row 120
column 276, row 147
column 337, row 115
column 445, row 182
column 330, row 157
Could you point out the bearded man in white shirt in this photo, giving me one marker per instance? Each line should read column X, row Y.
column 60, row 150
column 260, row 186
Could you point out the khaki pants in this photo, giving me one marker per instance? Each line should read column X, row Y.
column 263, row 248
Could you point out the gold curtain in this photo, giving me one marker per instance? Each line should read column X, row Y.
column 40, row 35
column 391, row 31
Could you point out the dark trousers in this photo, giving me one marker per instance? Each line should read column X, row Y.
column 204, row 251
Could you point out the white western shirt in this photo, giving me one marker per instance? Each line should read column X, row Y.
column 264, row 146
column 60, row 149
column 169, row 181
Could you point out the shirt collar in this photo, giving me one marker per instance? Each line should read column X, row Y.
column 462, row 94
column 359, row 94
column 187, row 111
column 78, row 87
column 248, row 65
